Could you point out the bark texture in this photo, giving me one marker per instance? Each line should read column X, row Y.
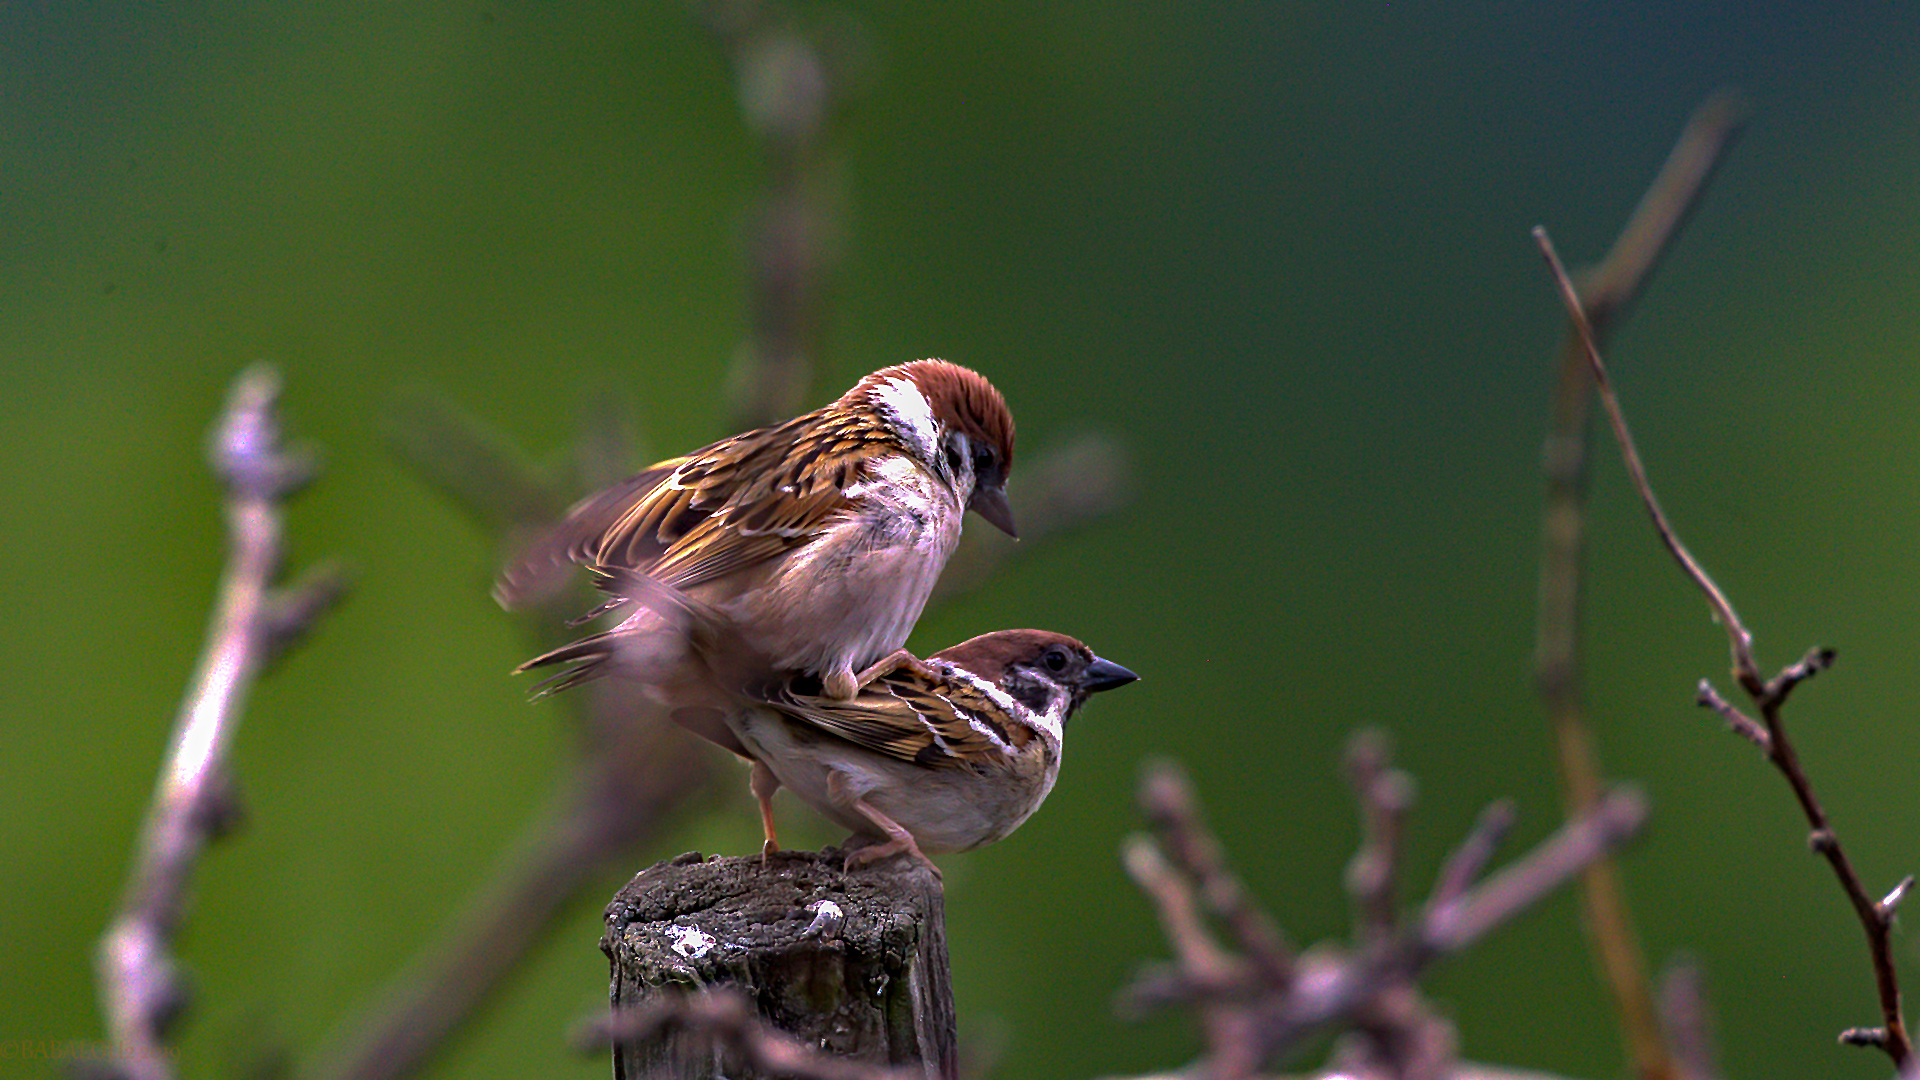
column 851, row 964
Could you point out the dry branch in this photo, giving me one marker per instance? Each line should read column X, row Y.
column 794, row 68
column 1609, row 291
column 1768, row 696
column 253, row 623
column 1258, row 1001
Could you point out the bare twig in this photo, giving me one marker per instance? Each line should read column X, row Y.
column 1470, row 859
column 1453, row 925
column 1738, row 638
column 1167, row 799
column 1254, row 1013
column 1200, row 958
column 1223, row 986
column 1768, row 695
column 1344, row 994
column 1737, row 722
column 1612, row 286
column 1609, row 290
column 793, row 70
column 630, row 774
column 1385, row 794
column 727, row 1022
column 1688, row 1022
column 140, row 987
column 1817, row 659
column 1890, row 904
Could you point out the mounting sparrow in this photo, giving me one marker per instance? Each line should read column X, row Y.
column 947, row 755
column 814, row 543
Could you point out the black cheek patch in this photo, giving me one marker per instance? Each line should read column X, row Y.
column 1029, row 692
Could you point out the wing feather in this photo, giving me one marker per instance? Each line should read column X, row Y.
column 946, row 724
column 716, row 512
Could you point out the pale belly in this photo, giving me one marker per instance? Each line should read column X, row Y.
column 944, row 809
column 853, row 596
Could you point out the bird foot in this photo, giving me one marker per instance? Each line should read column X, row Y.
column 886, row 849
column 843, row 685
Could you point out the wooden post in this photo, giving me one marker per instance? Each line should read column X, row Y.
column 853, row 965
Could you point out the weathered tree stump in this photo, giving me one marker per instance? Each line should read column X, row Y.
column 872, row 985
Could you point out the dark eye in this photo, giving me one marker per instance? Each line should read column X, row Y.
column 953, row 455
column 1055, row 659
column 983, row 458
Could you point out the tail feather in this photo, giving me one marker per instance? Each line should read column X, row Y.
column 542, row 568
column 592, row 648
column 614, row 604
column 670, row 639
column 567, row 680
column 589, row 657
column 653, row 646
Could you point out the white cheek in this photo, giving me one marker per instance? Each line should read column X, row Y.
column 889, row 475
column 908, row 408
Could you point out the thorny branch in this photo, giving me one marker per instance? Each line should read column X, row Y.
column 253, row 623
column 1264, row 1001
column 1609, row 290
column 1768, row 696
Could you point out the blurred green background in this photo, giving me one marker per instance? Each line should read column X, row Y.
column 1280, row 249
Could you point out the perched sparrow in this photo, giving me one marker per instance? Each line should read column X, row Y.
column 814, row 543
column 946, row 756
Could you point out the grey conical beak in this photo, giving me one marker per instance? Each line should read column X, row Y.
column 1105, row 675
column 990, row 502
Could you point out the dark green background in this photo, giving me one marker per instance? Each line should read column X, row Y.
column 1280, row 249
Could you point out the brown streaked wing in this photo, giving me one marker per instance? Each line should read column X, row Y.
column 536, row 574
column 598, row 516
column 905, row 718
column 742, row 501
column 689, row 494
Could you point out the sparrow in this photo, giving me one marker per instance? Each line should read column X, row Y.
column 947, row 755
column 813, row 544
